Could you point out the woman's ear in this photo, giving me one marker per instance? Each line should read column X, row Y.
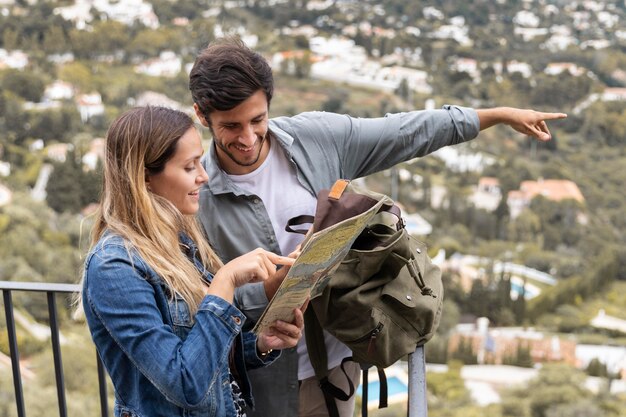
column 146, row 175
column 200, row 116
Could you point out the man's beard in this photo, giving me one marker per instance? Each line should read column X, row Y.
column 260, row 141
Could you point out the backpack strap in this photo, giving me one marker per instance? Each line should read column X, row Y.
column 298, row 221
column 319, row 360
column 383, row 392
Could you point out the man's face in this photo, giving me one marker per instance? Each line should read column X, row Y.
column 240, row 134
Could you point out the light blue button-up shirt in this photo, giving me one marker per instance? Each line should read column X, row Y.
column 323, row 147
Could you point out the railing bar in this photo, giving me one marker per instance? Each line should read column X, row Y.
column 15, row 355
column 38, row 286
column 56, row 351
column 418, row 406
column 104, row 404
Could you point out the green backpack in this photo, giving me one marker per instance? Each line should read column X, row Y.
column 384, row 299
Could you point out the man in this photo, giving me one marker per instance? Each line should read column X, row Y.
column 262, row 172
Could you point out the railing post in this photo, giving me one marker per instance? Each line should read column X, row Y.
column 418, row 406
column 56, row 352
column 50, row 289
column 15, row 355
column 104, row 404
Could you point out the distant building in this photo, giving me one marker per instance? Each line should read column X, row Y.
column 519, row 67
column 555, row 190
column 604, row 321
column 5, row 195
column 13, row 59
column 497, row 345
column 487, row 194
column 168, row 64
column 467, row 65
column 459, row 159
column 528, row 34
column 5, row 169
column 152, row 98
column 58, row 151
column 527, row 19
column 556, row 68
column 125, row 11
column 89, row 105
column 340, row 60
column 613, row 94
column 58, row 90
column 95, row 153
column 613, row 357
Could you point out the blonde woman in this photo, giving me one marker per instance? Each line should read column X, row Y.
column 158, row 301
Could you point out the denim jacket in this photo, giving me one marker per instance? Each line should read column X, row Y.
column 163, row 361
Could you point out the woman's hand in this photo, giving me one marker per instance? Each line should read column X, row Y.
column 272, row 284
column 256, row 266
column 282, row 335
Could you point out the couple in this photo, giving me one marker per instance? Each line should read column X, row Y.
column 170, row 321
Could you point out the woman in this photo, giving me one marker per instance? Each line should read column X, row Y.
column 157, row 300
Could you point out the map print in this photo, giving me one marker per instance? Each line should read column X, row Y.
column 321, row 254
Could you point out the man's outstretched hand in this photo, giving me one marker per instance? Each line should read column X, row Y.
column 529, row 122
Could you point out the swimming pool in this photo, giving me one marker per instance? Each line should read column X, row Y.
column 394, row 387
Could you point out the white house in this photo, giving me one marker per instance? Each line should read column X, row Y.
column 519, row 67
column 556, row 68
column 527, row 19
column 124, row 11
column 13, row 59
column 96, row 152
column 487, row 194
column 5, row 169
column 58, row 90
column 89, row 105
column 467, row 65
column 168, row 64
column 5, row 195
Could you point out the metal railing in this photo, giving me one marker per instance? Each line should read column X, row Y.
column 51, row 290
column 417, row 404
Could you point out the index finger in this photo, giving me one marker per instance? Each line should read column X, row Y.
column 280, row 260
column 552, row 116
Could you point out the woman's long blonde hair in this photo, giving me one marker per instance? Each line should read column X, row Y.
column 139, row 143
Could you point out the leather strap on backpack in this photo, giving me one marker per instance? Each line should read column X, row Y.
column 338, row 188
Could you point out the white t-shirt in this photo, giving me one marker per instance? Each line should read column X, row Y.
column 284, row 201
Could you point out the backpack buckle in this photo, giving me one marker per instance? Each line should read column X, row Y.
column 400, row 224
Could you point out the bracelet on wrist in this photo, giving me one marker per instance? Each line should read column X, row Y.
column 264, row 354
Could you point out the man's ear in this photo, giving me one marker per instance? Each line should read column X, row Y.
column 200, row 116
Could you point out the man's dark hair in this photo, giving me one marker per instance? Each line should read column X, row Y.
column 226, row 73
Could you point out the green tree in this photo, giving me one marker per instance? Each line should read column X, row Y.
column 555, row 386
column 64, row 185
column 27, row 85
column 91, row 185
column 78, row 74
column 597, row 368
column 55, row 40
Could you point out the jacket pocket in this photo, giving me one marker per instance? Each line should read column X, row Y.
column 181, row 316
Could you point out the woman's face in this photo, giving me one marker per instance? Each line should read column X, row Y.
column 183, row 175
